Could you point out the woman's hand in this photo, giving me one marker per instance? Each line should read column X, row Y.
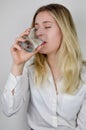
column 20, row 56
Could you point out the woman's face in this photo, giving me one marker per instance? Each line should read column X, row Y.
column 48, row 30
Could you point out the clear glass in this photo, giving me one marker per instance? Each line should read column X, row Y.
column 31, row 41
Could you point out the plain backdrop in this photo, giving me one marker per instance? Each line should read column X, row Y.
column 15, row 17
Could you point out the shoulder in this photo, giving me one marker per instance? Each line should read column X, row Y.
column 82, row 86
column 83, row 74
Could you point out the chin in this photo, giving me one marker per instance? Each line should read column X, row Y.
column 42, row 52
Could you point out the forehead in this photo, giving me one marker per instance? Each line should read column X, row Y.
column 44, row 16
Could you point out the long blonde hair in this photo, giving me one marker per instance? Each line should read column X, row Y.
column 69, row 54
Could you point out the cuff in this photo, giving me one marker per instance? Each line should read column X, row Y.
column 12, row 81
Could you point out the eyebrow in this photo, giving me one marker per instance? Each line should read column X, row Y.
column 44, row 22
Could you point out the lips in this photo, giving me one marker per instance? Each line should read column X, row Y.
column 43, row 43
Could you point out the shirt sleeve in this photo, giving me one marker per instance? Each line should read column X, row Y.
column 81, row 120
column 11, row 103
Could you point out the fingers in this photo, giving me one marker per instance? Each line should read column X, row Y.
column 15, row 47
column 25, row 33
column 21, row 38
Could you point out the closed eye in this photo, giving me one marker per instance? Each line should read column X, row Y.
column 36, row 29
column 47, row 27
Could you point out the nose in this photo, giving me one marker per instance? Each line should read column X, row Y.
column 40, row 33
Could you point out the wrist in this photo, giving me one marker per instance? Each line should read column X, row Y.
column 17, row 69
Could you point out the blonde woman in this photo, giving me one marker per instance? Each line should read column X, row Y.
column 56, row 78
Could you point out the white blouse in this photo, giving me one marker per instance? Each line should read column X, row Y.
column 46, row 109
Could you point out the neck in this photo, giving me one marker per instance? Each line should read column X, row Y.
column 52, row 60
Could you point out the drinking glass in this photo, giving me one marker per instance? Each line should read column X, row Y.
column 31, row 41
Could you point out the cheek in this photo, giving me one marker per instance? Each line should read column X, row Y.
column 59, row 39
column 55, row 38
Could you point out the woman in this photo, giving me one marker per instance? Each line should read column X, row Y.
column 56, row 77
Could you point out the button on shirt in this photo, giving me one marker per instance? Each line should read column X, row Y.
column 46, row 109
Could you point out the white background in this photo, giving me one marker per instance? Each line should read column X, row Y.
column 15, row 17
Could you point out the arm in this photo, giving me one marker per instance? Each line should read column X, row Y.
column 13, row 95
column 81, row 120
column 12, row 101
